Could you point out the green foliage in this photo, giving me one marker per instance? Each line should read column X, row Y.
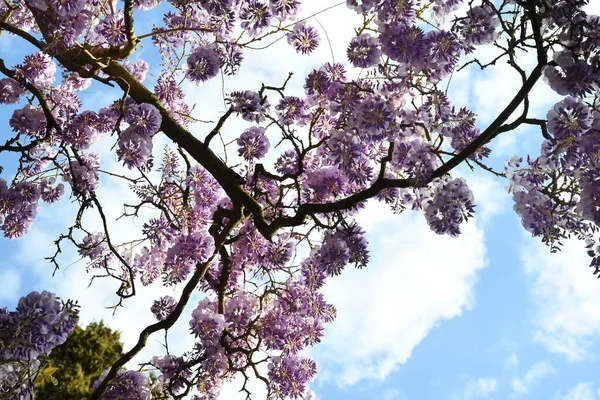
column 73, row 367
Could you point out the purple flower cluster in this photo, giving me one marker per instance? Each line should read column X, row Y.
column 479, row 26
column 203, row 64
column 289, row 375
column 345, row 245
column 569, row 119
column 125, row 385
column 207, row 325
column 173, row 375
column 304, row 38
column 134, row 149
column 363, row 51
column 112, row 29
column 163, row 307
column 255, row 16
column 10, row 91
column 82, row 173
column 39, row 69
column 39, row 324
column 460, row 129
column 172, row 96
column 451, row 205
column 253, row 143
column 185, row 252
column 19, row 206
column 249, row 105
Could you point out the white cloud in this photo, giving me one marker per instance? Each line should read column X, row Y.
column 480, row 388
column 415, row 280
column 566, row 298
column 582, row 391
column 539, row 370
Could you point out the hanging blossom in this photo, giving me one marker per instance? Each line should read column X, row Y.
column 203, row 64
column 304, row 38
column 253, row 143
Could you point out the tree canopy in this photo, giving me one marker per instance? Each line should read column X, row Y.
column 78, row 363
column 256, row 208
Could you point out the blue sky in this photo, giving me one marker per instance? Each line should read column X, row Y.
column 490, row 315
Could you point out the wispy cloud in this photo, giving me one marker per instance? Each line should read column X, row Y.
column 480, row 388
column 582, row 391
column 566, row 298
column 523, row 385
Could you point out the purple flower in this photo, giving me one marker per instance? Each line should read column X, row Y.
column 93, row 245
column 287, row 163
column 163, row 307
column 444, row 7
column 68, row 8
column 143, row 119
column 206, row 323
column 404, row 44
column 444, row 50
column 290, row 374
column 363, row 51
column 51, row 194
column 134, row 149
column 317, row 83
column 203, row 64
column 249, row 104
column 112, row 29
column 479, row 26
column 373, row 116
column 215, row 7
column 29, row 121
column 284, row 9
column 569, row 118
column 255, row 17
column 83, row 176
column 146, row 5
column 138, row 70
column 344, row 148
column 125, row 385
column 253, row 143
column 38, row 68
column 10, row 91
column 291, row 110
column 451, row 204
column 304, row 38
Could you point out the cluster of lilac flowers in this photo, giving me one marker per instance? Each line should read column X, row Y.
column 135, row 142
column 253, row 143
column 40, row 323
column 19, row 204
column 82, row 174
column 451, row 204
column 126, row 385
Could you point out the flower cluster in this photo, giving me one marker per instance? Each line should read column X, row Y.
column 39, row 324
column 125, row 385
column 82, row 174
column 452, row 203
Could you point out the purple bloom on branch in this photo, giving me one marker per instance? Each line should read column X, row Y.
column 569, row 118
column 143, row 119
column 255, row 17
column 203, row 64
column 253, row 143
column 363, row 51
column 304, row 38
